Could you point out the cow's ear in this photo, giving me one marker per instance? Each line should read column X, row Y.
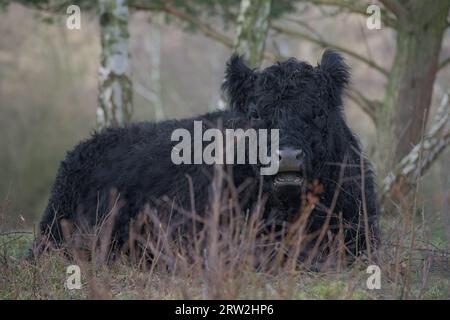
column 239, row 83
column 336, row 70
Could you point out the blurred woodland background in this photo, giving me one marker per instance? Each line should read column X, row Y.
column 171, row 57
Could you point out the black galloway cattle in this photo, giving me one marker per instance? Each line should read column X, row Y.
column 131, row 167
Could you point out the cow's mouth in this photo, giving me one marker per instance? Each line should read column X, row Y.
column 289, row 179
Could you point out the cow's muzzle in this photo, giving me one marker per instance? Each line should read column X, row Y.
column 291, row 170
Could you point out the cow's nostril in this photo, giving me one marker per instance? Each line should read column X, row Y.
column 291, row 160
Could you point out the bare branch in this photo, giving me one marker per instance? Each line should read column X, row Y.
column 444, row 63
column 304, row 25
column 206, row 29
column 8, row 233
column 395, row 7
column 203, row 27
column 353, row 6
column 51, row 6
column 367, row 105
column 252, row 26
column 409, row 170
column 326, row 44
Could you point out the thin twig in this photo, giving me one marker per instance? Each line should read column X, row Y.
column 326, row 44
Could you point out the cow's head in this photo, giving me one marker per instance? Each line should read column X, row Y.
column 302, row 101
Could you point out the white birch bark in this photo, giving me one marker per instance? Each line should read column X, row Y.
column 115, row 86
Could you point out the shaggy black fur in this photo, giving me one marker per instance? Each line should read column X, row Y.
column 128, row 168
column 303, row 101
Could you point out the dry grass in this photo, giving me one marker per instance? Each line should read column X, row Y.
column 228, row 254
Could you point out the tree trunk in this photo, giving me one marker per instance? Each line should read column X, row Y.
column 252, row 27
column 115, row 96
column 404, row 177
column 153, row 46
column 409, row 90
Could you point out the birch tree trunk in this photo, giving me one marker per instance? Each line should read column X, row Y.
column 403, row 178
column 251, row 33
column 115, row 87
column 252, row 27
column 153, row 46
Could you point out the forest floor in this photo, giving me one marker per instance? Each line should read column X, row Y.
column 421, row 272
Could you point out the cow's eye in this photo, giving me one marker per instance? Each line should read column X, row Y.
column 254, row 115
column 320, row 113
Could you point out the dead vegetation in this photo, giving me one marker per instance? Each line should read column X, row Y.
column 229, row 254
